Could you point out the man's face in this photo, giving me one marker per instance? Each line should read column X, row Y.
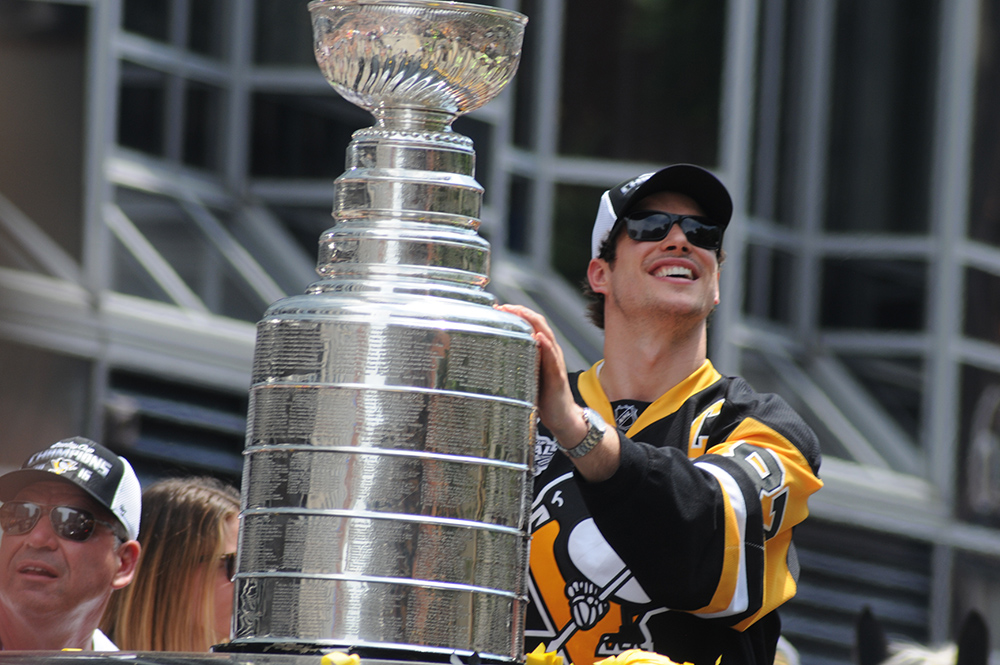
column 42, row 574
column 671, row 278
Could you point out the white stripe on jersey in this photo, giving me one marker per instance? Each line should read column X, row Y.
column 741, row 597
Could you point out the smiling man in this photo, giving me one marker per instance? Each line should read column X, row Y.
column 669, row 529
column 70, row 518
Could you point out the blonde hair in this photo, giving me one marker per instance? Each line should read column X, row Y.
column 183, row 529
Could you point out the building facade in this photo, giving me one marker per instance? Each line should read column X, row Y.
column 165, row 174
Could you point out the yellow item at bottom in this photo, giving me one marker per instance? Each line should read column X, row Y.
column 340, row 658
column 542, row 657
column 638, row 657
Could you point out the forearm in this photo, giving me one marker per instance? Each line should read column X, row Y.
column 602, row 461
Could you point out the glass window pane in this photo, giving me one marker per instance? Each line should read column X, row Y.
column 284, row 33
column 43, row 398
column 982, row 313
column 524, row 80
column 43, row 57
column 150, row 18
column 14, row 255
column 984, row 220
column 305, row 224
column 191, row 254
column 978, row 464
column 771, row 271
column 576, row 207
column 302, row 137
column 976, row 586
column 203, row 134
column 641, row 80
column 896, row 384
column 881, row 117
column 141, row 108
column 763, row 376
column 877, row 294
column 519, row 214
column 481, row 134
column 174, row 428
column 207, row 29
column 781, row 81
column 130, row 277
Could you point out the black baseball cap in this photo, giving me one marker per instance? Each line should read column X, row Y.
column 102, row 474
column 704, row 188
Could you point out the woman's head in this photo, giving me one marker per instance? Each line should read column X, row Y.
column 181, row 597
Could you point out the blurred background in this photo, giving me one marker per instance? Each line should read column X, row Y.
column 166, row 170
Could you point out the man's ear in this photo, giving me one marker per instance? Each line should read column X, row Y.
column 718, row 290
column 597, row 275
column 128, row 558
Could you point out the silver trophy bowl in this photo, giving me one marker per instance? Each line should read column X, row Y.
column 391, row 425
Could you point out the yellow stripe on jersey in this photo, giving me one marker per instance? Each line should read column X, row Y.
column 732, row 593
column 731, row 573
column 777, row 587
column 798, row 482
column 593, row 394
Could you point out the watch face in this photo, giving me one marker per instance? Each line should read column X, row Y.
column 595, row 433
column 595, row 421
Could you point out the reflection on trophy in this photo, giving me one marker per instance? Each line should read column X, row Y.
column 391, row 423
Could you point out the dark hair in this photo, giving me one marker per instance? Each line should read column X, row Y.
column 609, row 252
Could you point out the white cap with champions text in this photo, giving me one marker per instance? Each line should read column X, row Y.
column 105, row 476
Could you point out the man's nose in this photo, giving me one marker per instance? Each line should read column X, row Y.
column 43, row 534
column 675, row 238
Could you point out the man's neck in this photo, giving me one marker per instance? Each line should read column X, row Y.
column 22, row 633
column 644, row 364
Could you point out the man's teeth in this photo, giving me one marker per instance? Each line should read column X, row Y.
column 35, row 570
column 675, row 271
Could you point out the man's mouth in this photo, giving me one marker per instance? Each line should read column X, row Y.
column 36, row 571
column 674, row 271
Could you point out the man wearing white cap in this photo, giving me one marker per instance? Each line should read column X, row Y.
column 665, row 493
column 70, row 519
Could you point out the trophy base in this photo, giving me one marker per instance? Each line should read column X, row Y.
column 385, row 654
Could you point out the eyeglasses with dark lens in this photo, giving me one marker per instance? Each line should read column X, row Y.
column 229, row 562
column 20, row 517
column 654, row 225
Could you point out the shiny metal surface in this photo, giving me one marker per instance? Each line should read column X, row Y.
column 179, row 658
column 391, row 423
column 445, row 56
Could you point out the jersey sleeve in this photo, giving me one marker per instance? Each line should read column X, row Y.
column 705, row 521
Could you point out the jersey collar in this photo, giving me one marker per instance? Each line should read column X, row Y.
column 593, row 394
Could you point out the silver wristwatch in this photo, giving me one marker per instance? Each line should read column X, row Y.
column 595, row 433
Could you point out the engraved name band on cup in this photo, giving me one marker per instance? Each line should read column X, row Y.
column 20, row 517
column 654, row 225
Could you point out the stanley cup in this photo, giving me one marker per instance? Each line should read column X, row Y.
column 391, row 424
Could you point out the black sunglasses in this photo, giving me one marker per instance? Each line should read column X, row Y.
column 229, row 561
column 654, row 225
column 20, row 517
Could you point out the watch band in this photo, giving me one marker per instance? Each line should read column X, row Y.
column 595, row 433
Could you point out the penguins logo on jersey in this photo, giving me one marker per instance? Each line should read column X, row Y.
column 571, row 560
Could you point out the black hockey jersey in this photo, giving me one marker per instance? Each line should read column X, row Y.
column 686, row 550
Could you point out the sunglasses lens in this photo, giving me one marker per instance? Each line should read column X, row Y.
column 72, row 523
column 653, row 226
column 18, row 518
column 706, row 236
column 649, row 226
column 230, row 563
